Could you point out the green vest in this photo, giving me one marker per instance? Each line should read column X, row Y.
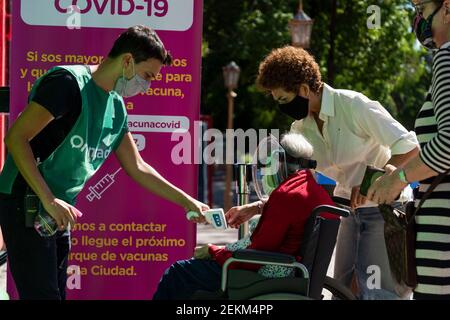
column 97, row 132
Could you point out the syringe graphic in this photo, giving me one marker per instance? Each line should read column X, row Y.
column 101, row 186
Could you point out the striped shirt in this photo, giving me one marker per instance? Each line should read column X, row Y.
column 433, row 219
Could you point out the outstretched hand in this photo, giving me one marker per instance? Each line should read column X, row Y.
column 197, row 207
column 240, row 214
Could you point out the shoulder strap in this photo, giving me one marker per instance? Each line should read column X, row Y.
column 433, row 186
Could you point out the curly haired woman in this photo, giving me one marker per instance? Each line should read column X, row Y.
column 348, row 132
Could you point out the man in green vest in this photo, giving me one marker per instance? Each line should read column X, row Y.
column 79, row 106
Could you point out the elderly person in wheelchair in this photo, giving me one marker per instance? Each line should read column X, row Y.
column 288, row 193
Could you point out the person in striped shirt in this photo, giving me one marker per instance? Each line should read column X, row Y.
column 432, row 27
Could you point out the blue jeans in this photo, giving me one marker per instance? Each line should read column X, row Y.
column 361, row 249
column 183, row 278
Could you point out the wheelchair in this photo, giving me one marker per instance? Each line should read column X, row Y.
column 310, row 275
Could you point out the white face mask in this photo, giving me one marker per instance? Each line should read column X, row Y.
column 129, row 88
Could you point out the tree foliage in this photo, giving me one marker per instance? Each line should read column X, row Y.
column 384, row 63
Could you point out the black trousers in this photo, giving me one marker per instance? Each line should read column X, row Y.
column 38, row 265
column 185, row 277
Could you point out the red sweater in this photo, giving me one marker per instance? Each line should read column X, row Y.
column 281, row 226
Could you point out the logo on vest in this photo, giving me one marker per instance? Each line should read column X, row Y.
column 77, row 142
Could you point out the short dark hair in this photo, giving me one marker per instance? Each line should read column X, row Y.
column 143, row 43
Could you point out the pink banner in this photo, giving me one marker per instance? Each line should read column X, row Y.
column 127, row 237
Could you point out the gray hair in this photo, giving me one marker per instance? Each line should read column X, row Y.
column 296, row 145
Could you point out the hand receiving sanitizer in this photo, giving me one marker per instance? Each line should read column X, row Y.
column 216, row 217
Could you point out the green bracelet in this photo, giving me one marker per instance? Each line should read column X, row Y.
column 402, row 176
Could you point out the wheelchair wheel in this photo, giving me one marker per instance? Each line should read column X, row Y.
column 339, row 291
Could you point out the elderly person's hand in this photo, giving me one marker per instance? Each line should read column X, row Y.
column 240, row 214
column 386, row 188
column 202, row 253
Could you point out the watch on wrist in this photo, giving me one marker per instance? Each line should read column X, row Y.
column 402, row 176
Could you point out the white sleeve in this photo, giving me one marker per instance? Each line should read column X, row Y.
column 376, row 122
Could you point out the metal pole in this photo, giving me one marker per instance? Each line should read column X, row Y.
column 242, row 173
column 210, row 169
column 229, row 151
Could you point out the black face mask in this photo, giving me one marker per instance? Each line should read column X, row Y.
column 298, row 108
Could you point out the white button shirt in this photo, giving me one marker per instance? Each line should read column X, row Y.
column 357, row 132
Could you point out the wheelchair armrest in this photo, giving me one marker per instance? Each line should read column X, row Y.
column 341, row 201
column 330, row 209
column 263, row 256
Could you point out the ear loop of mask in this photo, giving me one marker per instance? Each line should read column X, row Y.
column 127, row 80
